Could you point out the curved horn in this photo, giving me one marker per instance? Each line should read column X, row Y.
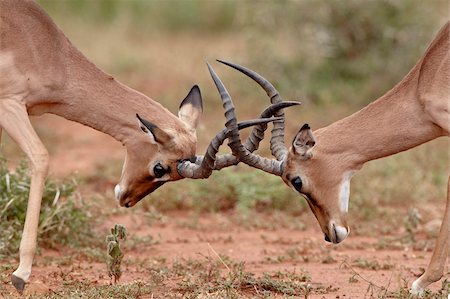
column 203, row 166
column 234, row 140
column 257, row 134
column 277, row 145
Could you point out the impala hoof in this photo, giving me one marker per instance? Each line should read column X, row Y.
column 416, row 290
column 18, row 283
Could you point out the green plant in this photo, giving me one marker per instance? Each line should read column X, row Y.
column 115, row 254
column 411, row 223
column 64, row 217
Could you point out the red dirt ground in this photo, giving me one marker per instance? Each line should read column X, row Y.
column 79, row 149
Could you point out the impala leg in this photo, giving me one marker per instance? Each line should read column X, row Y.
column 14, row 120
column 436, row 268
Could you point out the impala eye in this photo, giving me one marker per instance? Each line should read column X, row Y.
column 297, row 183
column 159, row 171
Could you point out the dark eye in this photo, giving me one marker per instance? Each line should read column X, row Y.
column 297, row 183
column 159, row 171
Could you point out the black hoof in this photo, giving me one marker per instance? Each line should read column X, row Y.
column 18, row 283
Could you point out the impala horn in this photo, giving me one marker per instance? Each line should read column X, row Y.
column 277, row 145
column 234, row 140
column 203, row 166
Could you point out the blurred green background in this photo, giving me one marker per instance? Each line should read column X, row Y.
column 324, row 52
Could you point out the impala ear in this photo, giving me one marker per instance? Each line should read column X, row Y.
column 191, row 108
column 303, row 142
column 156, row 134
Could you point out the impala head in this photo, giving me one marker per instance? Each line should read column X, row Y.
column 314, row 176
column 152, row 157
column 161, row 155
column 325, row 187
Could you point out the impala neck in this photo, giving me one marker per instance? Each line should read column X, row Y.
column 97, row 100
column 394, row 123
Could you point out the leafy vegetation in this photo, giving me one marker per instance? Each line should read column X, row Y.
column 114, row 252
column 63, row 219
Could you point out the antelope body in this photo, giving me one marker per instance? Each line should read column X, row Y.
column 320, row 164
column 42, row 72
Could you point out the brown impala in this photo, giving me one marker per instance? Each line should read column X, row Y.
column 42, row 72
column 320, row 165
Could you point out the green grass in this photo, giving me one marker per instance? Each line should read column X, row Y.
column 229, row 189
column 64, row 217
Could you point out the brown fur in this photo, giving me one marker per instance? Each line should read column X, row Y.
column 42, row 72
column 415, row 111
column 51, row 76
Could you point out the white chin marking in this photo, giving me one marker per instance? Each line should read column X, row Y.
column 341, row 233
column 117, row 191
column 344, row 193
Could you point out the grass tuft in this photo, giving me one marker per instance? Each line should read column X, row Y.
column 63, row 218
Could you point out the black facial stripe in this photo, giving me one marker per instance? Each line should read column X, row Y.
column 311, row 199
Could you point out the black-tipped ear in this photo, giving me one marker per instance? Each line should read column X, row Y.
column 156, row 134
column 303, row 142
column 191, row 108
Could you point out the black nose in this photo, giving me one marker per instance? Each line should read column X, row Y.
column 127, row 205
column 327, row 239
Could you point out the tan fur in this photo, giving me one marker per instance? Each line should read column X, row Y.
column 415, row 111
column 42, row 72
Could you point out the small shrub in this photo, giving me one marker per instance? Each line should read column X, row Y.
column 115, row 254
column 62, row 220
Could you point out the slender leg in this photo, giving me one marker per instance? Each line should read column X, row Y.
column 14, row 120
column 435, row 269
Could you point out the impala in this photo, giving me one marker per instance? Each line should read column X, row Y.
column 42, row 72
column 320, row 164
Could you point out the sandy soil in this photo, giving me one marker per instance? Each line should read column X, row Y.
column 81, row 149
column 330, row 267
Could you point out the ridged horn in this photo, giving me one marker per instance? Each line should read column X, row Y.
column 203, row 166
column 277, row 144
column 234, row 141
column 257, row 134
